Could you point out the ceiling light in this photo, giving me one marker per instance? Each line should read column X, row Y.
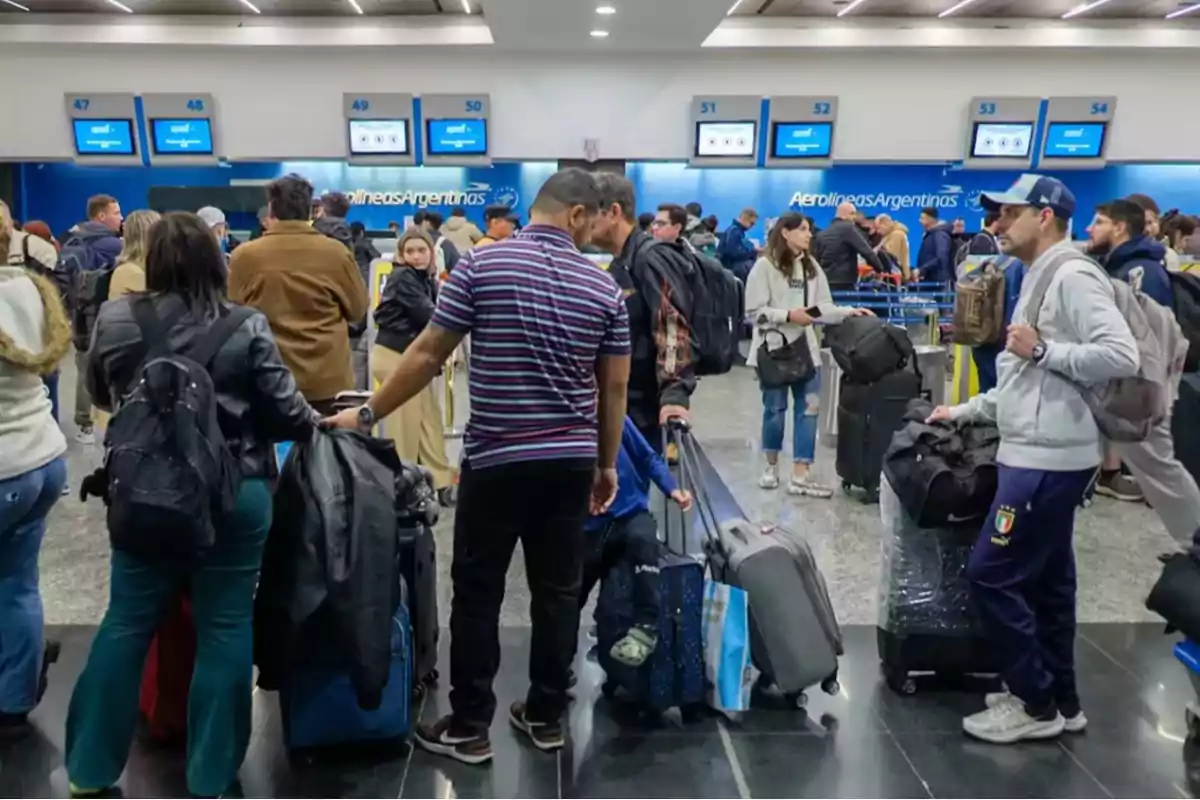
column 250, row 6
column 466, row 6
column 606, row 10
column 850, row 7
column 733, row 7
column 597, row 34
column 1182, row 11
column 14, row 4
column 354, row 4
column 1083, row 9
column 120, row 5
column 955, row 9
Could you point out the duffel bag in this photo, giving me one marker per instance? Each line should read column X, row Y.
column 867, row 348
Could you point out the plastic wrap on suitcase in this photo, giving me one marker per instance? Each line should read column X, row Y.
column 418, row 565
column 320, row 707
column 674, row 675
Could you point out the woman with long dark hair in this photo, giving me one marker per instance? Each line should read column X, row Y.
column 787, row 295
column 257, row 403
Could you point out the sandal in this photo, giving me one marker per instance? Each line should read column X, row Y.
column 806, row 487
column 637, row 646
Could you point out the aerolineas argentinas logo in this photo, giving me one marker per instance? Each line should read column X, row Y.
column 475, row 194
column 948, row 197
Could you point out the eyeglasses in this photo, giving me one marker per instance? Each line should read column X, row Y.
column 660, row 223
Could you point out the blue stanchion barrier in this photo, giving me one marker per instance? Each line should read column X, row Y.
column 901, row 305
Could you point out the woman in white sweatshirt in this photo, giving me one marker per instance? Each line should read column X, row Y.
column 34, row 337
column 787, row 292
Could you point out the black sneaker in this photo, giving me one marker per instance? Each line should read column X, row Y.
column 439, row 738
column 546, row 736
column 49, row 656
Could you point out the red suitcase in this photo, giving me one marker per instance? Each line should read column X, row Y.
column 167, row 676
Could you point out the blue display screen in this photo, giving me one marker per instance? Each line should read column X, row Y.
column 1075, row 139
column 802, row 140
column 182, row 137
column 457, row 137
column 104, row 137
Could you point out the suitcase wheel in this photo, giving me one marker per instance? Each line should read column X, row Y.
column 847, row 487
column 831, row 686
column 1193, row 721
column 871, row 497
column 431, row 678
column 797, row 699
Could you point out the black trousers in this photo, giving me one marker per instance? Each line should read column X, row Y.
column 544, row 505
column 633, row 540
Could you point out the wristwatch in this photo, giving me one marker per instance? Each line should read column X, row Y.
column 366, row 418
column 1039, row 352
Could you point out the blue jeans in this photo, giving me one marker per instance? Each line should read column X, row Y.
column 24, row 503
column 806, row 397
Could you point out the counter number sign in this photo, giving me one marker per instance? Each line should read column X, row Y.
column 708, row 107
column 82, row 103
column 195, row 105
column 822, row 109
column 987, row 109
column 1099, row 108
column 361, row 105
column 474, row 106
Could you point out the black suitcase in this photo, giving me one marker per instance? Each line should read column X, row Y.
column 418, row 565
column 868, row 415
column 1183, row 430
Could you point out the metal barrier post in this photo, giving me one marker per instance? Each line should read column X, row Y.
column 450, row 432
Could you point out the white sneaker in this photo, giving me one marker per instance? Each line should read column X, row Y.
column 1007, row 723
column 806, row 487
column 770, row 478
column 1073, row 724
column 85, row 436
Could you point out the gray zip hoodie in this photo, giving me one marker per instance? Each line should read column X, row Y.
column 1043, row 420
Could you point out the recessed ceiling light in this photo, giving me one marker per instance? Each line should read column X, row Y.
column 599, row 34
column 1084, row 8
column 354, row 4
column 955, row 8
column 850, row 7
column 733, row 7
column 121, row 6
column 250, row 6
column 1180, row 12
column 606, row 10
column 466, row 6
column 14, row 4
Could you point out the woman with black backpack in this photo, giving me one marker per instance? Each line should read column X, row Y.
column 256, row 403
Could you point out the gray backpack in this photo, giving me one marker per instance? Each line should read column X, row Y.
column 1127, row 409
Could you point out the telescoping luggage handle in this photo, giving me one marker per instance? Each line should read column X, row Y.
column 678, row 431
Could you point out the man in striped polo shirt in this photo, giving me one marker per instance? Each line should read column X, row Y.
column 549, row 372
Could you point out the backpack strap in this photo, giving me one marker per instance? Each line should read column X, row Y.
column 153, row 330
column 1037, row 294
column 206, row 349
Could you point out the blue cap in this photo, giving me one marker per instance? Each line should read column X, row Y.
column 1039, row 191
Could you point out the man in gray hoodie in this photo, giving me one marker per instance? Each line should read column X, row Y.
column 1022, row 570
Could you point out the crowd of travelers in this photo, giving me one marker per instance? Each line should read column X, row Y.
column 574, row 372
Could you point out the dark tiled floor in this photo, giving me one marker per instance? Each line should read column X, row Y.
column 864, row 742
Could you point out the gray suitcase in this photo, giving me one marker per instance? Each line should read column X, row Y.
column 795, row 637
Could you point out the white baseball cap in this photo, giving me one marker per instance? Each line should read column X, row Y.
column 212, row 216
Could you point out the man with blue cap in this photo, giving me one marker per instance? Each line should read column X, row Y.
column 1066, row 331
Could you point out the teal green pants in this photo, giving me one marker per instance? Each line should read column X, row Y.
column 104, row 707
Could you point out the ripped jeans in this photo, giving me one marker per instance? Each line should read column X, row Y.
column 805, row 403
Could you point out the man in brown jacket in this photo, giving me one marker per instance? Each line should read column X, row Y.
column 309, row 288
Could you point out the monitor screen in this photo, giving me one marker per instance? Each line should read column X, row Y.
column 181, row 137
column 104, row 137
column 802, row 140
column 1075, row 139
column 726, row 139
column 1002, row 140
column 457, row 137
column 379, row 137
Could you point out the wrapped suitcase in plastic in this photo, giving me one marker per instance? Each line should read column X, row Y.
column 868, row 415
column 926, row 621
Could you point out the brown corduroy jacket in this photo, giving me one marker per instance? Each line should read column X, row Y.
column 309, row 287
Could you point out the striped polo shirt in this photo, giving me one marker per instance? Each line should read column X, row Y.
column 539, row 314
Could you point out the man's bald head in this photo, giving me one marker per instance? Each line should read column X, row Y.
column 847, row 211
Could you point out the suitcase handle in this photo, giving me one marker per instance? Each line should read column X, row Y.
column 689, row 463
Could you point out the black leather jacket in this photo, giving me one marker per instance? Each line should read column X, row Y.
column 404, row 309
column 257, row 399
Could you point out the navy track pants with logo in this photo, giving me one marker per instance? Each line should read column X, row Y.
column 1022, row 574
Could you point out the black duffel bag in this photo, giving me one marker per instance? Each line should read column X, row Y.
column 942, row 472
column 867, row 348
column 1176, row 595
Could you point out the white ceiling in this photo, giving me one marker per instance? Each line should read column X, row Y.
column 290, row 8
column 1029, row 9
column 646, row 25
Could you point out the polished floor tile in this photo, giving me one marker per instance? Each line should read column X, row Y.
column 651, row 766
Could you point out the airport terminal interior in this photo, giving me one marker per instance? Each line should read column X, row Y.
column 773, row 105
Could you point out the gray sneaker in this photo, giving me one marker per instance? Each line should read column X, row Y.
column 1008, row 723
column 1119, row 487
column 1073, row 724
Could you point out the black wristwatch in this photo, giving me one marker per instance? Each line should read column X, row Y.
column 366, row 418
column 1039, row 352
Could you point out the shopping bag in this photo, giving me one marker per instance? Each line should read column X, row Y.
column 727, row 666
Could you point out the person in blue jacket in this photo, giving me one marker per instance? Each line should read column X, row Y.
column 628, row 532
column 985, row 354
column 935, row 260
column 1120, row 228
column 736, row 252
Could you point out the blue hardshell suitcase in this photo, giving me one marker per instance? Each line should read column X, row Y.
column 320, row 707
column 674, row 675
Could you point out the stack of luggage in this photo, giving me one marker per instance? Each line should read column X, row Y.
column 940, row 481
column 879, row 376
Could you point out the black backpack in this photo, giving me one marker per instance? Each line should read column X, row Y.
column 171, row 478
column 84, row 278
column 867, row 348
column 1186, row 289
column 714, row 309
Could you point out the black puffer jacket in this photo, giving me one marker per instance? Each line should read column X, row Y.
column 257, row 399
column 404, row 309
column 337, row 229
column 837, row 249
